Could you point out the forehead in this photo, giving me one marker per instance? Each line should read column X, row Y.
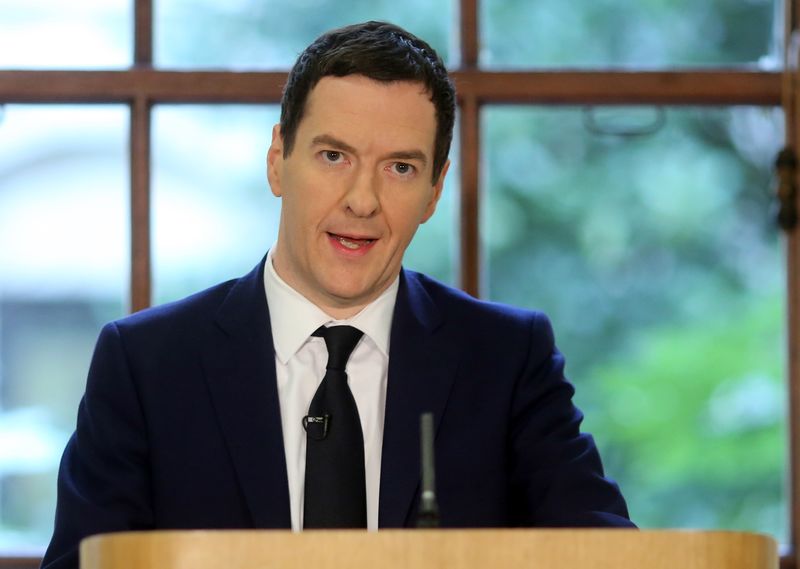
column 366, row 110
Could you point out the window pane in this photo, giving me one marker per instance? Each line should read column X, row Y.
column 520, row 33
column 213, row 214
column 55, row 34
column 268, row 34
column 63, row 273
column 658, row 261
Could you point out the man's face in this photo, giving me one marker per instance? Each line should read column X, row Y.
column 354, row 189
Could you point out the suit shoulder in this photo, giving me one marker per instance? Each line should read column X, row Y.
column 198, row 306
column 466, row 310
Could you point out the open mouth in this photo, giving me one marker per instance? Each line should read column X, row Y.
column 351, row 243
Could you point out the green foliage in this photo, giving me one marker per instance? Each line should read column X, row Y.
column 271, row 34
column 657, row 259
column 646, row 33
column 693, row 420
column 611, row 234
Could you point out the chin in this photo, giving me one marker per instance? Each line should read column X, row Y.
column 349, row 294
column 351, row 288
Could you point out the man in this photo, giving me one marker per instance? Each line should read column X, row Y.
column 218, row 411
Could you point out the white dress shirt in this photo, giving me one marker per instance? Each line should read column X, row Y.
column 300, row 361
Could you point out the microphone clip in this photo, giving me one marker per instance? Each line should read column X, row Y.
column 317, row 427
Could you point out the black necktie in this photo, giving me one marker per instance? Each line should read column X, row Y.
column 335, row 487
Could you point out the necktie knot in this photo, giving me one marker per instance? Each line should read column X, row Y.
column 340, row 341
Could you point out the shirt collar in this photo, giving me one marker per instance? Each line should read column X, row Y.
column 293, row 318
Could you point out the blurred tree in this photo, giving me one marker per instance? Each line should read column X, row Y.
column 271, row 34
column 657, row 259
column 648, row 33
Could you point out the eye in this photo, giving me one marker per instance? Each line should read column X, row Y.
column 332, row 155
column 403, row 169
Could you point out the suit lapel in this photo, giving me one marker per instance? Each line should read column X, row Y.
column 421, row 370
column 240, row 370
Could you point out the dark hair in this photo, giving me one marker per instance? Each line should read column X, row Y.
column 378, row 50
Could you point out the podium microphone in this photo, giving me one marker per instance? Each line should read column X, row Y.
column 428, row 516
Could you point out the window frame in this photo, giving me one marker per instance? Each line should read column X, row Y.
column 142, row 86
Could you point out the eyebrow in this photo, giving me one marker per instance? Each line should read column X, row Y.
column 332, row 141
column 328, row 140
column 409, row 155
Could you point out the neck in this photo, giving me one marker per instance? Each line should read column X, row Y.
column 343, row 313
column 338, row 308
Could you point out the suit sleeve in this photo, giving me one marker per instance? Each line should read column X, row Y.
column 556, row 473
column 103, row 479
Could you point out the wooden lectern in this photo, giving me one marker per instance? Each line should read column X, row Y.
column 430, row 549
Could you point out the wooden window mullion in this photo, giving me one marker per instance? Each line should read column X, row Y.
column 469, row 142
column 143, row 33
column 140, row 133
column 790, row 94
column 140, row 143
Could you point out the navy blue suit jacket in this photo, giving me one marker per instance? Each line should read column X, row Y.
column 180, row 423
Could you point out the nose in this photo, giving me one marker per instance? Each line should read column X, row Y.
column 362, row 198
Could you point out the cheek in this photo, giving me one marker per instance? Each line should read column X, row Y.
column 304, row 214
column 404, row 216
column 300, row 200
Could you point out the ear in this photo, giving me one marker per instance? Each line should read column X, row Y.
column 437, row 193
column 275, row 161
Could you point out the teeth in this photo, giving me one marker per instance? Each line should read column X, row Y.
column 353, row 244
column 349, row 244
